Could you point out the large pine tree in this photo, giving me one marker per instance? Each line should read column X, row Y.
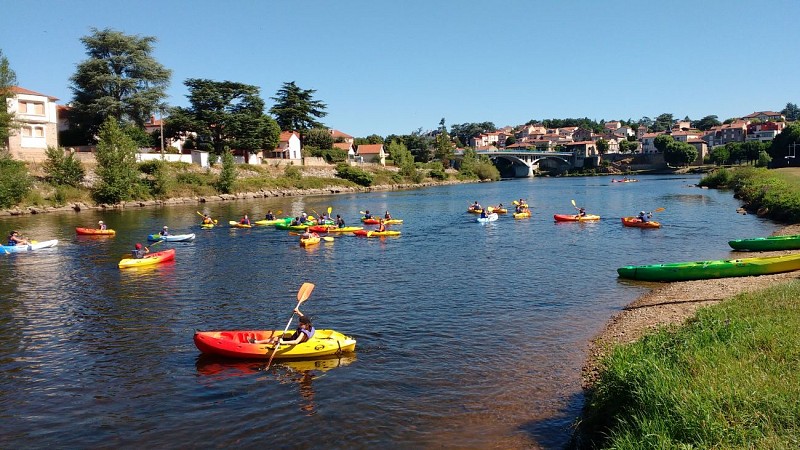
column 295, row 108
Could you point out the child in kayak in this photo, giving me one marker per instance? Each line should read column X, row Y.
column 387, row 216
column 164, row 231
column 382, row 226
column 15, row 239
column 367, row 215
column 207, row 220
column 245, row 220
column 138, row 252
column 644, row 217
column 269, row 215
column 305, row 331
column 339, row 221
column 102, row 225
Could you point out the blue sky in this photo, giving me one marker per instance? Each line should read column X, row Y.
column 391, row 67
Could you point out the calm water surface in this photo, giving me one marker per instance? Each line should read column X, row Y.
column 469, row 335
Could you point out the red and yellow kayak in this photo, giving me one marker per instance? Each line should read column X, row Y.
column 94, row 232
column 236, row 344
column 636, row 222
column 344, row 229
column 575, row 218
column 149, row 259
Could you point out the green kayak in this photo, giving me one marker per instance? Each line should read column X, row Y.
column 702, row 270
column 763, row 244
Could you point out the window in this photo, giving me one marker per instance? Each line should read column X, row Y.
column 26, row 132
column 38, row 108
column 38, row 132
column 23, row 108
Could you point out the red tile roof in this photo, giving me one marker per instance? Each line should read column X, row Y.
column 337, row 133
column 286, row 135
column 20, row 90
column 369, row 149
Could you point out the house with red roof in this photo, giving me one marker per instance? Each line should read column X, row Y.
column 338, row 136
column 765, row 116
column 288, row 147
column 373, row 153
column 37, row 117
column 347, row 147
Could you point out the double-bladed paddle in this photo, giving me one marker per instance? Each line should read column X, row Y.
column 302, row 295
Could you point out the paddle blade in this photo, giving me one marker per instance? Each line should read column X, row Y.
column 659, row 209
column 515, row 203
column 573, row 203
column 330, row 208
column 327, row 238
column 361, row 212
column 304, row 292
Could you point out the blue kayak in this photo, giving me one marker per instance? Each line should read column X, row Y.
column 6, row 249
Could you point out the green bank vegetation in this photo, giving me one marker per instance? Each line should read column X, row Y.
column 772, row 193
column 729, row 378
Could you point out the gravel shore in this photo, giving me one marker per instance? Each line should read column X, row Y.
column 674, row 303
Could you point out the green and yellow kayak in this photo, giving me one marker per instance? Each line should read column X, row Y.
column 702, row 270
column 763, row 244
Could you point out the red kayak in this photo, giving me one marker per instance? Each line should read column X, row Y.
column 320, row 228
column 94, row 232
column 574, row 218
column 370, row 221
column 636, row 222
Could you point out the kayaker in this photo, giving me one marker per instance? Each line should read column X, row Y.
column 15, row 239
column 308, row 234
column 295, row 222
column 138, row 252
column 382, row 226
column 245, row 220
column 643, row 216
column 269, row 216
column 483, row 214
column 387, row 216
column 305, row 331
column 581, row 212
column 101, row 225
column 475, row 206
column 207, row 220
column 303, row 217
column 164, row 231
column 367, row 215
column 339, row 221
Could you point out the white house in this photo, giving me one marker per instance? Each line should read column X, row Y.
column 38, row 119
column 288, row 147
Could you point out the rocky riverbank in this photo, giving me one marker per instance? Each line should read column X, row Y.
column 672, row 304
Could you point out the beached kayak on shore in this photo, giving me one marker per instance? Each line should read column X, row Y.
column 722, row 268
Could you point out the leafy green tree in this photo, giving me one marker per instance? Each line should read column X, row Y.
column 511, row 140
column 296, row 109
column 752, row 150
column 224, row 114
column 444, row 148
column 468, row 163
column 791, row 111
column 628, row 146
column 662, row 123
column 736, row 152
column 15, row 182
column 318, row 137
column 719, row 155
column 402, row 158
column 116, row 164
column 465, row 131
column 8, row 79
column 787, row 143
column 227, row 175
column 706, row 123
column 662, row 141
column 63, row 168
column 763, row 159
column 679, row 153
column 120, row 79
column 602, row 146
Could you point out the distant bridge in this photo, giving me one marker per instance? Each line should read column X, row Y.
column 520, row 163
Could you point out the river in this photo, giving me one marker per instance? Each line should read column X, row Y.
column 469, row 335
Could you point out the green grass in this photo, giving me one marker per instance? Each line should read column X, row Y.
column 774, row 193
column 730, row 378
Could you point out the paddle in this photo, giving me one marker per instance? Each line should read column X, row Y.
column 330, row 208
column 302, row 295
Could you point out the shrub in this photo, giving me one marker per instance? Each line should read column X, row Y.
column 437, row 171
column 63, row 169
column 354, row 174
column 228, row 174
column 720, row 178
column 15, row 183
column 116, row 165
column 293, row 172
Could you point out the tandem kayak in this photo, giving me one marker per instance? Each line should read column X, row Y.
column 702, row 270
column 762, row 244
column 320, row 228
column 370, row 233
column 236, row 344
column 574, row 218
column 637, row 223
column 28, row 247
column 171, row 237
column 148, row 260
column 490, row 218
column 94, row 232
column 623, row 181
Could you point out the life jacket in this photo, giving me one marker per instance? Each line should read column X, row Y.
column 309, row 333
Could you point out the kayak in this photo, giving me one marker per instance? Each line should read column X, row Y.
column 207, row 225
column 320, row 228
column 490, row 218
column 286, row 226
column 306, row 242
column 574, row 218
column 171, row 237
column 149, row 259
column 701, row 270
column 370, row 233
column 235, row 344
column 372, row 221
column 94, row 232
column 522, row 215
column 498, row 210
column 785, row 242
column 235, row 224
column 636, row 222
column 344, row 229
column 6, row 249
column 474, row 211
column 393, row 221
column 266, row 222
column 623, row 181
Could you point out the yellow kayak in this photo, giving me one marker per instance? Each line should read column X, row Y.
column 305, row 242
column 522, row 215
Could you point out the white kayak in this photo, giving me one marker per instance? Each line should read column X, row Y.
column 171, row 237
column 490, row 218
column 26, row 248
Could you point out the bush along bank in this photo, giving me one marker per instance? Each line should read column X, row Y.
column 774, row 194
column 729, row 378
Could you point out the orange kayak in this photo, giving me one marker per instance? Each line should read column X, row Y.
column 149, row 259
column 94, row 232
column 636, row 222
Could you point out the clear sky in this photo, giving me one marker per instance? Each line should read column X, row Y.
column 394, row 66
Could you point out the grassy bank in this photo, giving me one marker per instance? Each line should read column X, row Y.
column 771, row 193
column 729, row 378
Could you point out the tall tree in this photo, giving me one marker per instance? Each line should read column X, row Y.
column 662, row 123
column 465, row 131
column 444, row 148
column 295, row 108
column 224, row 114
column 319, row 138
column 792, row 112
column 707, row 122
column 680, row 153
column 120, row 79
column 116, row 164
column 8, row 79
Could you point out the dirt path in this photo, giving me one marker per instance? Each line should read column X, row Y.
column 673, row 303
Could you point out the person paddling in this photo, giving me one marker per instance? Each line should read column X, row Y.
column 102, row 225
column 15, row 239
column 581, row 212
column 644, row 217
column 164, row 231
column 367, row 215
column 138, row 252
column 245, row 220
column 269, row 216
column 339, row 221
column 207, row 220
column 382, row 226
column 305, row 331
